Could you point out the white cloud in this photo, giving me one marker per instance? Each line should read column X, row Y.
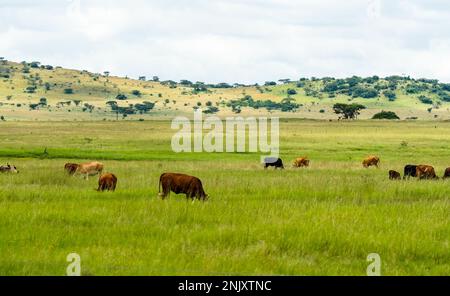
column 232, row 41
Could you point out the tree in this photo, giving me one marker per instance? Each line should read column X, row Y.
column 136, row 93
column 291, row 91
column 121, row 97
column 390, row 95
column 348, row 111
column 386, row 115
column 425, row 100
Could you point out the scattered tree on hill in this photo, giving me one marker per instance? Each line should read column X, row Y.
column 121, row 97
column 211, row 110
column 390, row 95
column 348, row 111
column 136, row 93
column 425, row 100
column 291, row 91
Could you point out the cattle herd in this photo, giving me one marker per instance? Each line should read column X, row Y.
column 193, row 188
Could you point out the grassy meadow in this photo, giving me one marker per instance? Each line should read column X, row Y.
column 323, row 220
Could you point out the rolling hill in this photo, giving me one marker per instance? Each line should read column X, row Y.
column 31, row 91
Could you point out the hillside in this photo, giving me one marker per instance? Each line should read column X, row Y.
column 31, row 91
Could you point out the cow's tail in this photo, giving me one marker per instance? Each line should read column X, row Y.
column 159, row 185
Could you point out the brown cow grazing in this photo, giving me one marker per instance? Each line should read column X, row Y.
column 394, row 175
column 71, row 168
column 447, row 173
column 370, row 161
column 90, row 169
column 425, row 172
column 180, row 183
column 301, row 162
column 108, row 182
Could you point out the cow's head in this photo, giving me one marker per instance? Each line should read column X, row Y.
column 12, row 169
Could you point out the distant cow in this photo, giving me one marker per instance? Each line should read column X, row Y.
column 272, row 161
column 108, row 182
column 409, row 171
column 370, row 161
column 425, row 172
column 447, row 173
column 90, row 169
column 394, row 175
column 71, row 168
column 180, row 183
column 8, row 169
column 301, row 162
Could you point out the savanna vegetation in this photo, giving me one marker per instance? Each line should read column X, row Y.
column 83, row 95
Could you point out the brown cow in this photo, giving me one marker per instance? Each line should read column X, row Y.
column 447, row 173
column 301, row 162
column 90, row 169
column 394, row 175
column 71, row 168
column 425, row 172
column 180, row 183
column 370, row 161
column 108, row 182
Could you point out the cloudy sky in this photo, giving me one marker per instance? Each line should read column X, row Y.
column 244, row 41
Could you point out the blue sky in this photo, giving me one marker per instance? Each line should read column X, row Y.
column 232, row 41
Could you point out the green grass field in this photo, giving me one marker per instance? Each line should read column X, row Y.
column 323, row 220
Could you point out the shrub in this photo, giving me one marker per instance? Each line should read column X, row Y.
column 121, row 97
column 136, row 93
column 390, row 95
column 291, row 91
column 385, row 115
column 211, row 110
column 425, row 100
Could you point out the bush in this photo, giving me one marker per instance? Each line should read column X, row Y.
column 426, row 100
column 136, row 93
column 385, row 115
column 390, row 95
column 291, row 91
column 211, row 110
column 121, row 97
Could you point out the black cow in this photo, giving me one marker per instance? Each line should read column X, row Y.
column 272, row 161
column 410, row 171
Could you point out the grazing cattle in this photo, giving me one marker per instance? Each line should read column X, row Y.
column 71, row 168
column 272, row 161
column 90, row 169
column 394, row 175
column 301, row 162
column 370, row 161
column 446, row 173
column 425, row 172
column 409, row 171
column 180, row 183
column 108, row 182
column 8, row 169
